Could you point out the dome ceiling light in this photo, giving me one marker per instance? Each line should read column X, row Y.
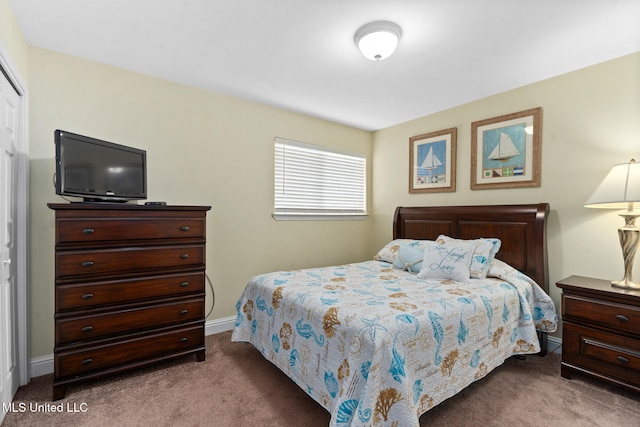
column 378, row 40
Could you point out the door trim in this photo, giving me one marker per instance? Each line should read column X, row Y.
column 23, row 319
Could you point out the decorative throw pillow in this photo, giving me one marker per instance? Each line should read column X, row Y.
column 390, row 251
column 484, row 252
column 409, row 258
column 446, row 261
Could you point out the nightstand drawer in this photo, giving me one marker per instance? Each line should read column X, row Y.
column 620, row 317
column 609, row 354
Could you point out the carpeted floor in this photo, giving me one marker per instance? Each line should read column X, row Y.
column 235, row 386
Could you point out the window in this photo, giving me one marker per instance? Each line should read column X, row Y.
column 314, row 182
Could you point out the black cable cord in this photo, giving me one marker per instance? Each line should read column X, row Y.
column 213, row 295
column 54, row 189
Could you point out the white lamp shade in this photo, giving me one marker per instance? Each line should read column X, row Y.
column 619, row 189
column 378, row 40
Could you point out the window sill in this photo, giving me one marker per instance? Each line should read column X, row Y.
column 281, row 216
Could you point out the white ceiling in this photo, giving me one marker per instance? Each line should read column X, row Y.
column 299, row 54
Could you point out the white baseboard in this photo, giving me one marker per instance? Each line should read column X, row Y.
column 219, row 325
column 44, row 365
column 554, row 345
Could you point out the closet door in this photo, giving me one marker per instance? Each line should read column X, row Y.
column 9, row 111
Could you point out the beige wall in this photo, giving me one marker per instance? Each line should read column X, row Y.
column 591, row 121
column 203, row 149
column 11, row 40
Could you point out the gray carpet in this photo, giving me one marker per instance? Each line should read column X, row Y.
column 235, row 386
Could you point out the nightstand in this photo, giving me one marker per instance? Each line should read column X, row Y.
column 600, row 331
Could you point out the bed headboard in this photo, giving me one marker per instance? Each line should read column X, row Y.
column 521, row 228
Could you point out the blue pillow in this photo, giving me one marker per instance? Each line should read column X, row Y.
column 409, row 258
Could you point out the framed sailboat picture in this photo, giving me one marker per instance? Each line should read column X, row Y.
column 506, row 152
column 432, row 162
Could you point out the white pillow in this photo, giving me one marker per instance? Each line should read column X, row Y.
column 484, row 252
column 446, row 261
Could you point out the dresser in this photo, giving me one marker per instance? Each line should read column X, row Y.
column 601, row 331
column 129, row 288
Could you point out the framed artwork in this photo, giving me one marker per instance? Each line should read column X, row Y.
column 432, row 162
column 506, row 151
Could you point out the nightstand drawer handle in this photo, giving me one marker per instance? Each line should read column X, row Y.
column 184, row 228
column 622, row 359
column 86, row 362
column 87, row 296
column 88, row 231
column 184, row 284
column 622, row 318
column 87, row 264
column 183, row 312
column 88, row 328
column 184, row 339
column 184, row 256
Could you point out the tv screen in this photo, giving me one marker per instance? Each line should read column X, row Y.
column 99, row 170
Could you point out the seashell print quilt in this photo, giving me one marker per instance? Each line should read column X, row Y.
column 377, row 346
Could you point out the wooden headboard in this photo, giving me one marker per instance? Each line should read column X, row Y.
column 521, row 228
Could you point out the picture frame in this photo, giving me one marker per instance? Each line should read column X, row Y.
column 506, row 151
column 432, row 162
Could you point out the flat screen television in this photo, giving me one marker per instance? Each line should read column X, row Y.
column 99, row 171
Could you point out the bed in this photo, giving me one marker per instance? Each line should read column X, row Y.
column 382, row 341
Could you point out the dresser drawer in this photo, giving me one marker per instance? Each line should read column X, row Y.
column 137, row 348
column 122, row 229
column 620, row 317
column 129, row 320
column 94, row 294
column 598, row 351
column 127, row 260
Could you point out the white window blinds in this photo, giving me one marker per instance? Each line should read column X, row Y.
column 315, row 180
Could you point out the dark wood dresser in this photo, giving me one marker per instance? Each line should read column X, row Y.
column 129, row 287
column 601, row 331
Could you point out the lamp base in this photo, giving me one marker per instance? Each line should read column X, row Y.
column 629, row 236
column 625, row 284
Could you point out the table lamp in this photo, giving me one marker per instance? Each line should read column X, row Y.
column 619, row 190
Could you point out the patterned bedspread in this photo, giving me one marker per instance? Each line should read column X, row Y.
column 376, row 345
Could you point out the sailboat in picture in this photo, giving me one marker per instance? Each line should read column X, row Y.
column 431, row 161
column 504, row 150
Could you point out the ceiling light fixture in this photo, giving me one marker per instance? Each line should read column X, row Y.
column 378, row 40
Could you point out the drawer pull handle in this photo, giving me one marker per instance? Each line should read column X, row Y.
column 184, row 228
column 622, row 318
column 183, row 312
column 184, row 284
column 622, row 359
column 87, row 329
column 87, row 264
column 87, row 296
column 88, row 231
column 184, row 339
column 184, row 256
column 86, row 362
